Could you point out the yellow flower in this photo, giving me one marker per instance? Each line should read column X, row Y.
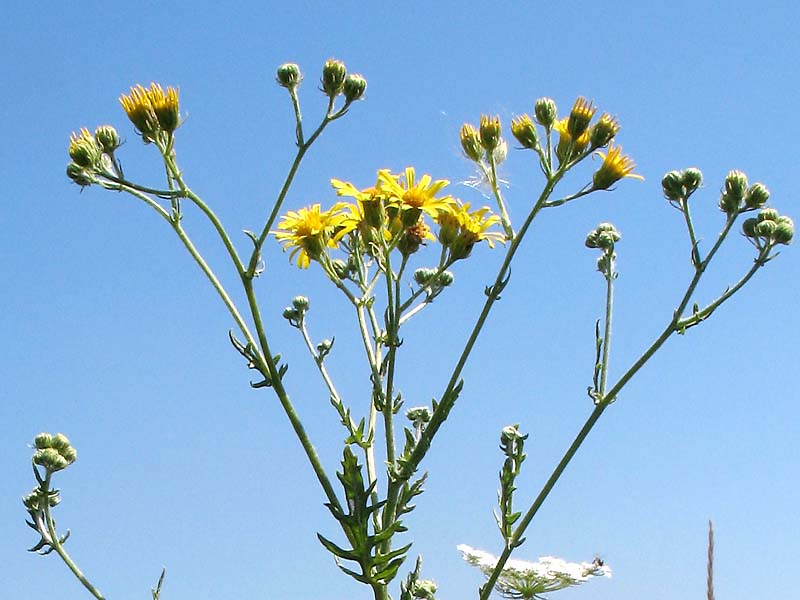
column 615, row 166
column 309, row 231
column 165, row 106
column 369, row 207
column 460, row 228
column 151, row 110
column 567, row 148
column 415, row 197
column 579, row 117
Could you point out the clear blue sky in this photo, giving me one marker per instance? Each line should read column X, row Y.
column 111, row 335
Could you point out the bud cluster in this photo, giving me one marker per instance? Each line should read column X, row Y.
column 334, row 81
column 91, row 154
column 485, row 142
column 297, row 311
column 737, row 197
column 53, row 452
column 604, row 237
column 768, row 229
column 679, row 185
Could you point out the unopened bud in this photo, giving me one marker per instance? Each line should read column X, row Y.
column 107, row 138
column 354, row 87
column 50, row 459
column 333, row 75
column 603, row 131
column 692, row 178
column 545, row 112
column 525, row 131
column 340, row 267
column 768, row 214
column 784, row 232
column 672, row 185
column 289, row 76
column 79, row 175
column 445, row 279
column 42, row 441
column 60, row 442
column 749, row 227
column 423, row 276
column 471, row 142
column 419, row 414
column 756, row 196
column 736, row 184
column 300, row 303
column 83, row 149
column 490, row 132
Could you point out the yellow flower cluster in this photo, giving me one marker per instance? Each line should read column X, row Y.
column 389, row 215
column 152, row 110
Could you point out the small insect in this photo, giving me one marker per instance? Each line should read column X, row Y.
column 598, row 562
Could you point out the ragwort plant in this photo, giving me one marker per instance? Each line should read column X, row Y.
column 365, row 244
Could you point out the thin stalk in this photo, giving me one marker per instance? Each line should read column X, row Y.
column 690, row 228
column 59, row 548
column 607, row 331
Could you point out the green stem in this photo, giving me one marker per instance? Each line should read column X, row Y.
column 696, row 260
column 607, row 328
column 55, row 542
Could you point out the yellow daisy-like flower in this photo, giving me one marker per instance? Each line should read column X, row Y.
column 566, row 149
column 151, row 110
column 461, row 228
column 368, row 210
column 309, row 231
column 415, row 197
column 615, row 166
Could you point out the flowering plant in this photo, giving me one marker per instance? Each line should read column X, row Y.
column 366, row 243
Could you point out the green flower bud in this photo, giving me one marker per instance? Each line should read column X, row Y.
column 60, row 442
column 603, row 236
column 42, row 441
column 70, row 454
column 729, row 204
column 289, row 76
column 290, row 314
column 423, row 276
column 672, row 185
column 545, row 112
column 300, row 303
column 79, row 175
column 525, row 131
column 419, row 414
column 340, row 267
column 83, row 149
column 765, row 229
column 445, row 279
column 354, row 87
column 50, row 459
column 756, row 196
column 490, row 132
column 784, row 232
column 605, row 240
column 768, row 214
column 471, row 142
column 603, row 131
column 107, row 138
column 333, row 75
column 736, row 184
column 33, row 501
column 324, row 347
column 691, row 179
column 749, row 227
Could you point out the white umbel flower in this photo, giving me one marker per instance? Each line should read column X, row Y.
column 528, row 580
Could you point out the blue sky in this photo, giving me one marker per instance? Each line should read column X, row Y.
column 111, row 335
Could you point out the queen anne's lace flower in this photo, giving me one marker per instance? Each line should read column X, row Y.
column 528, row 580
